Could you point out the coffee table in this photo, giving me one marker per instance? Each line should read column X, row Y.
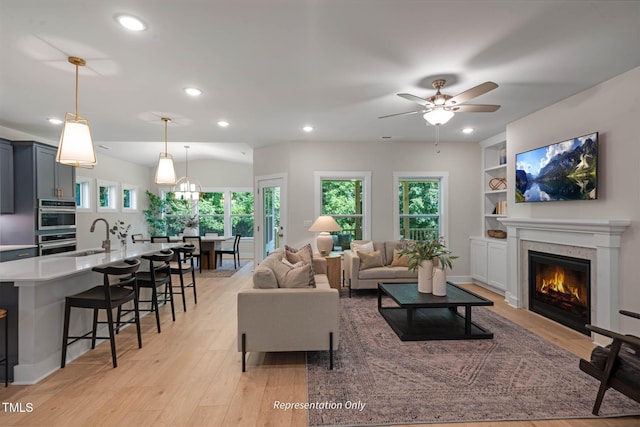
column 420, row 317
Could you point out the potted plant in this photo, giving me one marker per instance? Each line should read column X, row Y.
column 426, row 256
column 191, row 226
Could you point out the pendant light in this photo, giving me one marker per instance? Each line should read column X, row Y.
column 76, row 145
column 165, row 172
column 185, row 188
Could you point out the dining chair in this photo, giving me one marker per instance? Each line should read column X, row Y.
column 198, row 253
column 235, row 251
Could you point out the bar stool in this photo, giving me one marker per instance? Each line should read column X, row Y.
column 182, row 266
column 5, row 316
column 113, row 293
column 159, row 274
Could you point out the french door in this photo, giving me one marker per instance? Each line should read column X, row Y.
column 270, row 214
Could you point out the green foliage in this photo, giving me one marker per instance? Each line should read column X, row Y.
column 422, row 250
column 154, row 215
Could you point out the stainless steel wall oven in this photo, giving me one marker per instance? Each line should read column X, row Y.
column 56, row 214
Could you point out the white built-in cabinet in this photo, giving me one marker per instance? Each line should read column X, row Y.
column 489, row 255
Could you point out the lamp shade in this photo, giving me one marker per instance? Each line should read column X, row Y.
column 76, row 144
column 438, row 116
column 325, row 223
column 165, row 172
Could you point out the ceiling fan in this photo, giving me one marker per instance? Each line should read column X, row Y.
column 440, row 108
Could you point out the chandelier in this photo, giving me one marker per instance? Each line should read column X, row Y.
column 186, row 188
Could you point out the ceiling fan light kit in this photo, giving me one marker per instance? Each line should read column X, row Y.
column 76, row 144
column 440, row 108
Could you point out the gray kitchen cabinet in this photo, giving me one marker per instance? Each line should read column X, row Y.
column 53, row 180
column 6, row 177
column 16, row 254
column 37, row 163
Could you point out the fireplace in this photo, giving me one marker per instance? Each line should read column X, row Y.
column 560, row 288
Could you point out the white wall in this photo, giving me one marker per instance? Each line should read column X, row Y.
column 611, row 108
column 301, row 159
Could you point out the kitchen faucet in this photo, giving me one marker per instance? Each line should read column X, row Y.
column 106, row 244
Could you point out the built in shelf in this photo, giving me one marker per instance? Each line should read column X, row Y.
column 494, row 168
column 495, row 192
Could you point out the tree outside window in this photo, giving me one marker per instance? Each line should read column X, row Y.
column 342, row 199
column 211, row 213
column 419, row 208
column 178, row 211
column 242, row 213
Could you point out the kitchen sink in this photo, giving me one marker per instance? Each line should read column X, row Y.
column 86, row 253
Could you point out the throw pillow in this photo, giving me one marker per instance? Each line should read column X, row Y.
column 297, row 277
column 264, row 278
column 304, row 254
column 362, row 247
column 399, row 260
column 370, row 260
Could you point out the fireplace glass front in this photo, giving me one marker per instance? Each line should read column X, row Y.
column 559, row 288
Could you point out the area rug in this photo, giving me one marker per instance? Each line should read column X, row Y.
column 378, row 379
column 224, row 270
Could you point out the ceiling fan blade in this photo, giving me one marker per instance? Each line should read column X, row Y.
column 475, row 108
column 415, row 99
column 404, row 114
column 471, row 93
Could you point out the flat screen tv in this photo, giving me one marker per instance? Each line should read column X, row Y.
column 565, row 170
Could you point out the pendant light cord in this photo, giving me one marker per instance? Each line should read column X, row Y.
column 76, row 92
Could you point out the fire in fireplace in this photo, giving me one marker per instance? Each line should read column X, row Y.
column 559, row 288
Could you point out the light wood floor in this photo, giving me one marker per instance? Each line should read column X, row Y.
column 190, row 374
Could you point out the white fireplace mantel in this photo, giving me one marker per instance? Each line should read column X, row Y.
column 602, row 235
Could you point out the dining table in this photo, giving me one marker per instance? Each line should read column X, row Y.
column 208, row 243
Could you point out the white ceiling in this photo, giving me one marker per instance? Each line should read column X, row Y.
column 271, row 66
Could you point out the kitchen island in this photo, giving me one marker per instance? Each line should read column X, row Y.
column 42, row 284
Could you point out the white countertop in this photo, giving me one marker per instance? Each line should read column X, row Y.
column 42, row 269
column 15, row 247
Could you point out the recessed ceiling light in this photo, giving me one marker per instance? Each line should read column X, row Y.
column 467, row 130
column 223, row 123
column 131, row 23
column 54, row 121
column 308, row 128
column 192, row 91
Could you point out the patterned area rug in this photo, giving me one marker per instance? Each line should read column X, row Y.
column 224, row 270
column 515, row 376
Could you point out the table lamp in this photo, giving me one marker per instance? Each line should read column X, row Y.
column 324, row 224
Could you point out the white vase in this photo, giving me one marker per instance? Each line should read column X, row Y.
column 439, row 282
column 425, row 276
column 188, row 231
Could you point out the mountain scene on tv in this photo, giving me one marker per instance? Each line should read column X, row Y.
column 562, row 171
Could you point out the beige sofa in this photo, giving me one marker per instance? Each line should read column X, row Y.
column 369, row 278
column 289, row 319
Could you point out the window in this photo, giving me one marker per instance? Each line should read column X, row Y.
column 419, row 205
column 83, row 194
column 211, row 212
column 226, row 212
column 242, row 213
column 107, row 196
column 129, row 198
column 346, row 197
column 178, row 211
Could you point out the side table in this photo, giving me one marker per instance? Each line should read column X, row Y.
column 334, row 270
